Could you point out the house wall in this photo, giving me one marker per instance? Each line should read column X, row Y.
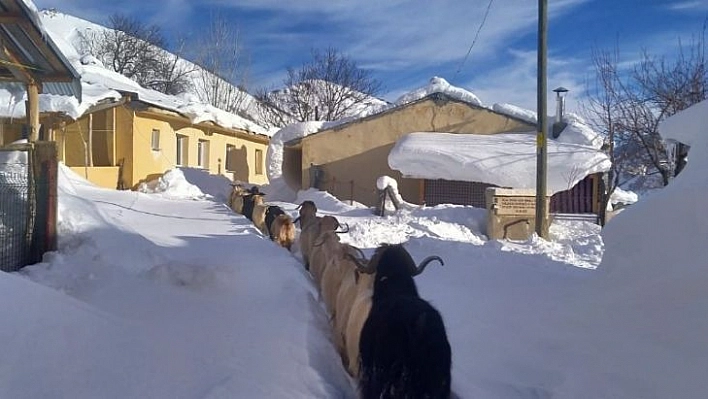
column 102, row 140
column 133, row 147
column 102, row 176
column 353, row 156
column 72, row 143
column 149, row 164
column 100, row 165
column 10, row 131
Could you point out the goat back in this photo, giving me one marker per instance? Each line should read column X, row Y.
column 283, row 231
column 404, row 351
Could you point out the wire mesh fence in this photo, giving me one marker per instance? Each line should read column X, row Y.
column 28, row 203
column 15, row 212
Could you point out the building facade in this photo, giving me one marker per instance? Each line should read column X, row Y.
column 120, row 145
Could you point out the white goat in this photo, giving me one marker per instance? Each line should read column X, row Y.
column 360, row 308
column 317, row 250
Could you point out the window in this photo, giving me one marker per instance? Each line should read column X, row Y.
column 203, row 154
column 182, row 146
column 259, row 162
column 155, row 140
column 230, row 148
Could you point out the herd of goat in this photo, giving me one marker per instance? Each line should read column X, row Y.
column 390, row 339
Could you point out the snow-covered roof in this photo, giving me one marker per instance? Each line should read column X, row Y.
column 505, row 159
column 102, row 85
column 574, row 152
column 688, row 126
column 435, row 86
column 438, row 85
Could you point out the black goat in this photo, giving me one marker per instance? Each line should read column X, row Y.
column 249, row 201
column 272, row 212
column 403, row 346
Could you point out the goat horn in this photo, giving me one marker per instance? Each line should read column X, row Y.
column 346, row 230
column 358, row 251
column 425, row 262
column 366, row 268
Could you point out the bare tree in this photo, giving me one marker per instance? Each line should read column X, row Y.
column 627, row 106
column 173, row 72
column 224, row 63
column 269, row 112
column 325, row 88
column 602, row 106
column 137, row 51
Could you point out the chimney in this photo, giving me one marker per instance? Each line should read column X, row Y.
column 559, row 124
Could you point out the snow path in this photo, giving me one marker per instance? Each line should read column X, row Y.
column 191, row 292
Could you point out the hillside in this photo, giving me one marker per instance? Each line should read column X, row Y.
column 71, row 32
column 74, row 32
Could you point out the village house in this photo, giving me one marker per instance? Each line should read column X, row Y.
column 120, row 134
column 124, row 143
column 348, row 158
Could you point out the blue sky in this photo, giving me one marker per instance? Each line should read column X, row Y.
column 406, row 42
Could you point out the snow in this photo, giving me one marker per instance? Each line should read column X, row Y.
column 173, row 181
column 387, row 181
column 100, row 84
column 294, row 131
column 154, row 295
column 515, row 111
column 439, row 85
column 506, row 159
column 622, row 196
column 168, row 293
column 274, row 156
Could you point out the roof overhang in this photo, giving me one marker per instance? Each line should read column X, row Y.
column 28, row 55
column 148, row 111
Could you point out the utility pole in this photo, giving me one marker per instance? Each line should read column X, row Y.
column 542, row 127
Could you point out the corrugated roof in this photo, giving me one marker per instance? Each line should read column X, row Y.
column 30, row 54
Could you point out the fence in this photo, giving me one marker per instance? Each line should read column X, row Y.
column 581, row 199
column 28, row 203
column 438, row 192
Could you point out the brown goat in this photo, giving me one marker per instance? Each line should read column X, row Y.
column 283, row 231
column 236, row 198
column 312, row 238
column 307, row 212
column 319, row 253
column 259, row 213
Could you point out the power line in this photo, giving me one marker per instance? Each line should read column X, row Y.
column 484, row 19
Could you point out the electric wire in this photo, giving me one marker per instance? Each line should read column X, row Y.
column 476, row 36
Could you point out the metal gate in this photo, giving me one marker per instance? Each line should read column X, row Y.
column 581, row 199
column 455, row 192
column 28, row 178
column 578, row 200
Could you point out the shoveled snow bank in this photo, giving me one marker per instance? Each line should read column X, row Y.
column 172, row 185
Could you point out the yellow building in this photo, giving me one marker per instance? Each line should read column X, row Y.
column 346, row 160
column 122, row 144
